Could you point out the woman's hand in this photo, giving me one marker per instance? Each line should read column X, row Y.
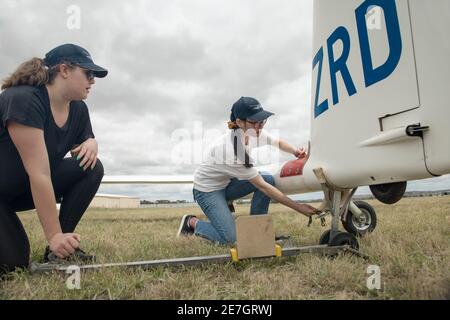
column 87, row 152
column 277, row 195
column 64, row 244
column 307, row 210
column 300, row 153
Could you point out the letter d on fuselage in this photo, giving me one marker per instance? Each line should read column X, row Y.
column 339, row 64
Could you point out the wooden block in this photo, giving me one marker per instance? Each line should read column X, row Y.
column 255, row 236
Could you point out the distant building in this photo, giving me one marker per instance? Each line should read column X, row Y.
column 114, row 201
column 162, row 201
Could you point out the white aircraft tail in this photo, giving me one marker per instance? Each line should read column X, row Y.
column 380, row 93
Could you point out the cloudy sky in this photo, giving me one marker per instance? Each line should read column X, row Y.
column 176, row 67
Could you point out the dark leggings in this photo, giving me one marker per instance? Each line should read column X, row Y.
column 74, row 189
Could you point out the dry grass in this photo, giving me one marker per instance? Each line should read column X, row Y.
column 411, row 245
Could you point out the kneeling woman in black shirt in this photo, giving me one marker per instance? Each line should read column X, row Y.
column 42, row 118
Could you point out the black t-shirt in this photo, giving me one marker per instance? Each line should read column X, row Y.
column 30, row 106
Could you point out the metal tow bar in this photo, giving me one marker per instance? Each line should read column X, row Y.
column 191, row 261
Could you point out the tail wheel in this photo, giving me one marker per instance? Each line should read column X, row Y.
column 325, row 237
column 340, row 239
column 362, row 225
column 345, row 238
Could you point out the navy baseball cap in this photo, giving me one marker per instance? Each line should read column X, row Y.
column 247, row 108
column 76, row 55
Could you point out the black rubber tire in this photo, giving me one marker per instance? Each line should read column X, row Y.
column 350, row 226
column 345, row 238
column 325, row 237
column 389, row 193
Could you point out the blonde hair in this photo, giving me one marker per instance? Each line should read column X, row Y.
column 33, row 73
column 232, row 125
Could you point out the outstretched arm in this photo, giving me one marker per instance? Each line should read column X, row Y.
column 277, row 195
column 289, row 148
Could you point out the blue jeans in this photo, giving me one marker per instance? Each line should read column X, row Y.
column 221, row 227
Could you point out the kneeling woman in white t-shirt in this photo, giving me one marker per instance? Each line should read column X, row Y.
column 227, row 174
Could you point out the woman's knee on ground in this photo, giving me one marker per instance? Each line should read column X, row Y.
column 14, row 244
column 227, row 236
column 11, row 260
column 21, row 263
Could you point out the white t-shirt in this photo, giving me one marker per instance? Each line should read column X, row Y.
column 220, row 164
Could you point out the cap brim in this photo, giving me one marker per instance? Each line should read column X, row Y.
column 99, row 72
column 260, row 116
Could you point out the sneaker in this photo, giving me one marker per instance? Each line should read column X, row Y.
column 78, row 256
column 185, row 229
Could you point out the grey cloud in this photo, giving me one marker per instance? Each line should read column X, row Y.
column 174, row 57
column 171, row 63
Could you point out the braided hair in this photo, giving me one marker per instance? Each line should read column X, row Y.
column 237, row 142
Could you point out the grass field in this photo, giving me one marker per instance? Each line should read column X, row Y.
column 411, row 244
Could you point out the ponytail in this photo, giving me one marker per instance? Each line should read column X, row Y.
column 239, row 148
column 32, row 73
column 232, row 125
